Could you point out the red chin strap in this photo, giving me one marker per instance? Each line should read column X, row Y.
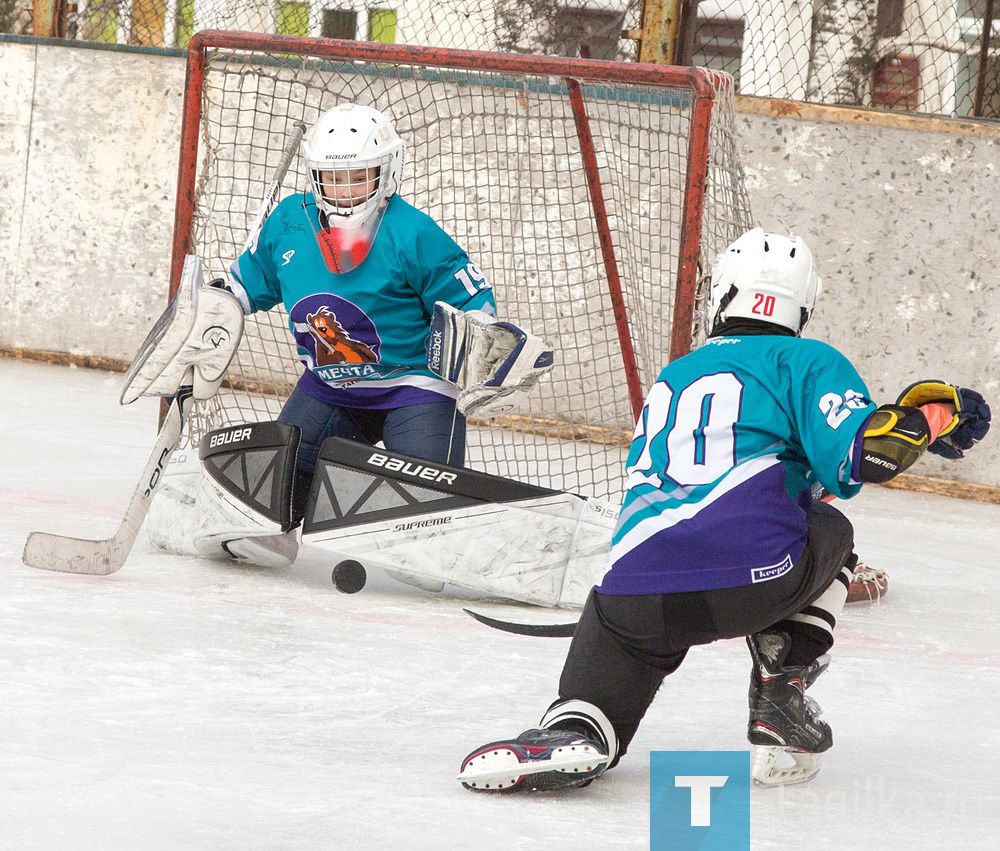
column 343, row 250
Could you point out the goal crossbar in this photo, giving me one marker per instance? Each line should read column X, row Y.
column 658, row 139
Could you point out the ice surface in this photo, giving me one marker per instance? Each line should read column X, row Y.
column 189, row 704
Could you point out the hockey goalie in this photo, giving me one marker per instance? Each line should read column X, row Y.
column 425, row 523
column 396, row 328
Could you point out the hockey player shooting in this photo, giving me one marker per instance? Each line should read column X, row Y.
column 719, row 536
column 363, row 276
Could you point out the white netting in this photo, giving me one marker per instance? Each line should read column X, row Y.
column 495, row 159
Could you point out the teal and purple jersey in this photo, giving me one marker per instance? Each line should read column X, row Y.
column 730, row 445
column 361, row 334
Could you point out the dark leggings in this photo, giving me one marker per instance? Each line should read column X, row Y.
column 433, row 431
column 625, row 645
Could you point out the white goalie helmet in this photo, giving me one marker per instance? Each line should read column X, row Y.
column 354, row 162
column 346, row 139
column 764, row 276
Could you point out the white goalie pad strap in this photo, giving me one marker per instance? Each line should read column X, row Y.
column 199, row 332
column 449, row 524
column 495, row 364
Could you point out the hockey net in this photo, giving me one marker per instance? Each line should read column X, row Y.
column 592, row 194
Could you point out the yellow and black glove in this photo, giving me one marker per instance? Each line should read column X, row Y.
column 971, row 419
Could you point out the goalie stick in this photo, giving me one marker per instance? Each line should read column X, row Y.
column 102, row 558
column 539, row 630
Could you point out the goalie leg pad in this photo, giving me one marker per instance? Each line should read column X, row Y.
column 245, row 500
column 173, row 511
column 450, row 524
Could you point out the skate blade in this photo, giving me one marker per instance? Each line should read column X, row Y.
column 500, row 769
column 782, row 766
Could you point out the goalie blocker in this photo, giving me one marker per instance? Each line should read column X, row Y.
column 440, row 524
column 494, row 364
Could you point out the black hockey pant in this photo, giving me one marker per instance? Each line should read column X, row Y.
column 625, row 645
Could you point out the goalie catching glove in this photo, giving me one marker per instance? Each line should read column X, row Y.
column 494, row 364
column 193, row 342
column 970, row 421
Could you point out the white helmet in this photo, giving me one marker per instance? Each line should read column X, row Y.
column 347, row 138
column 354, row 161
column 764, row 276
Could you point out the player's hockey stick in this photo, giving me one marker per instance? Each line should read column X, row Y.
column 100, row 558
column 541, row 630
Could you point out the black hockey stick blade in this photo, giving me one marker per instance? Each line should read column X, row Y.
column 541, row 630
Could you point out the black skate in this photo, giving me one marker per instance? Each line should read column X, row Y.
column 538, row 760
column 784, row 726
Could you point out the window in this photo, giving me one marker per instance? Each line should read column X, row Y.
column 293, row 18
column 184, row 23
column 8, row 15
column 718, row 44
column 598, row 30
column 103, row 24
column 889, row 20
column 896, row 83
column 975, row 9
column 339, row 23
column 382, row 25
column 966, row 77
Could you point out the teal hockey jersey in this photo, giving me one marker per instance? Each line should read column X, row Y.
column 361, row 334
column 730, row 445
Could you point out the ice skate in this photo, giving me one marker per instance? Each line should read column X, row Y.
column 784, row 725
column 537, row 760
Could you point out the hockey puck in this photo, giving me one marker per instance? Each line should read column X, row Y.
column 349, row 577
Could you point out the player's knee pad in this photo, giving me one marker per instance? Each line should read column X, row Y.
column 244, row 503
column 818, row 619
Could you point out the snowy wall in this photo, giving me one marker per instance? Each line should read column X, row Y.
column 903, row 220
column 901, row 214
column 88, row 164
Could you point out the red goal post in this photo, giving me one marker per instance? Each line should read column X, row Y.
column 592, row 194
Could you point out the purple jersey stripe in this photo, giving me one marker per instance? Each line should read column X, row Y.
column 736, row 540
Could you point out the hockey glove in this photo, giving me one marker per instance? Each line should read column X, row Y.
column 193, row 341
column 494, row 364
column 971, row 419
